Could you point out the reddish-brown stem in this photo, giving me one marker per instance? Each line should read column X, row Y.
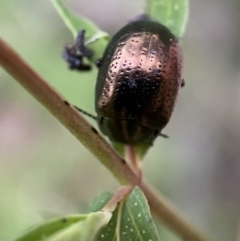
column 118, row 196
column 167, row 213
column 133, row 161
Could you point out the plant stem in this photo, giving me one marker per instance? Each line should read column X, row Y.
column 65, row 113
column 89, row 137
column 133, row 162
column 170, row 216
column 118, row 196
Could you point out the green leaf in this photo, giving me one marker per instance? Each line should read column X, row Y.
column 131, row 221
column 172, row 13
column 71, row 228
column 96, row 39
column 142, row 149
column 99, row 202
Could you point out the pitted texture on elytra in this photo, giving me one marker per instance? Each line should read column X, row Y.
column 138, row 82
column 142, row 80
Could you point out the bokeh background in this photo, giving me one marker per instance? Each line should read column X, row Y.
column 44, row 171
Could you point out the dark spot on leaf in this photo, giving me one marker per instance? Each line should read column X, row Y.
column 64, row 220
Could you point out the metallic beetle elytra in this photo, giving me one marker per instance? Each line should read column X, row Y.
column 138, row 81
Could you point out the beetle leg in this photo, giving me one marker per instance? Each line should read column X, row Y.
column 183, row 83
column 155, row 134
column 99, row 62
column 101, row 120
column 74, row 54
column 163, row 135
column 85, row 113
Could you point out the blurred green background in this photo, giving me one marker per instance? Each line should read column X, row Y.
column 44, row 171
